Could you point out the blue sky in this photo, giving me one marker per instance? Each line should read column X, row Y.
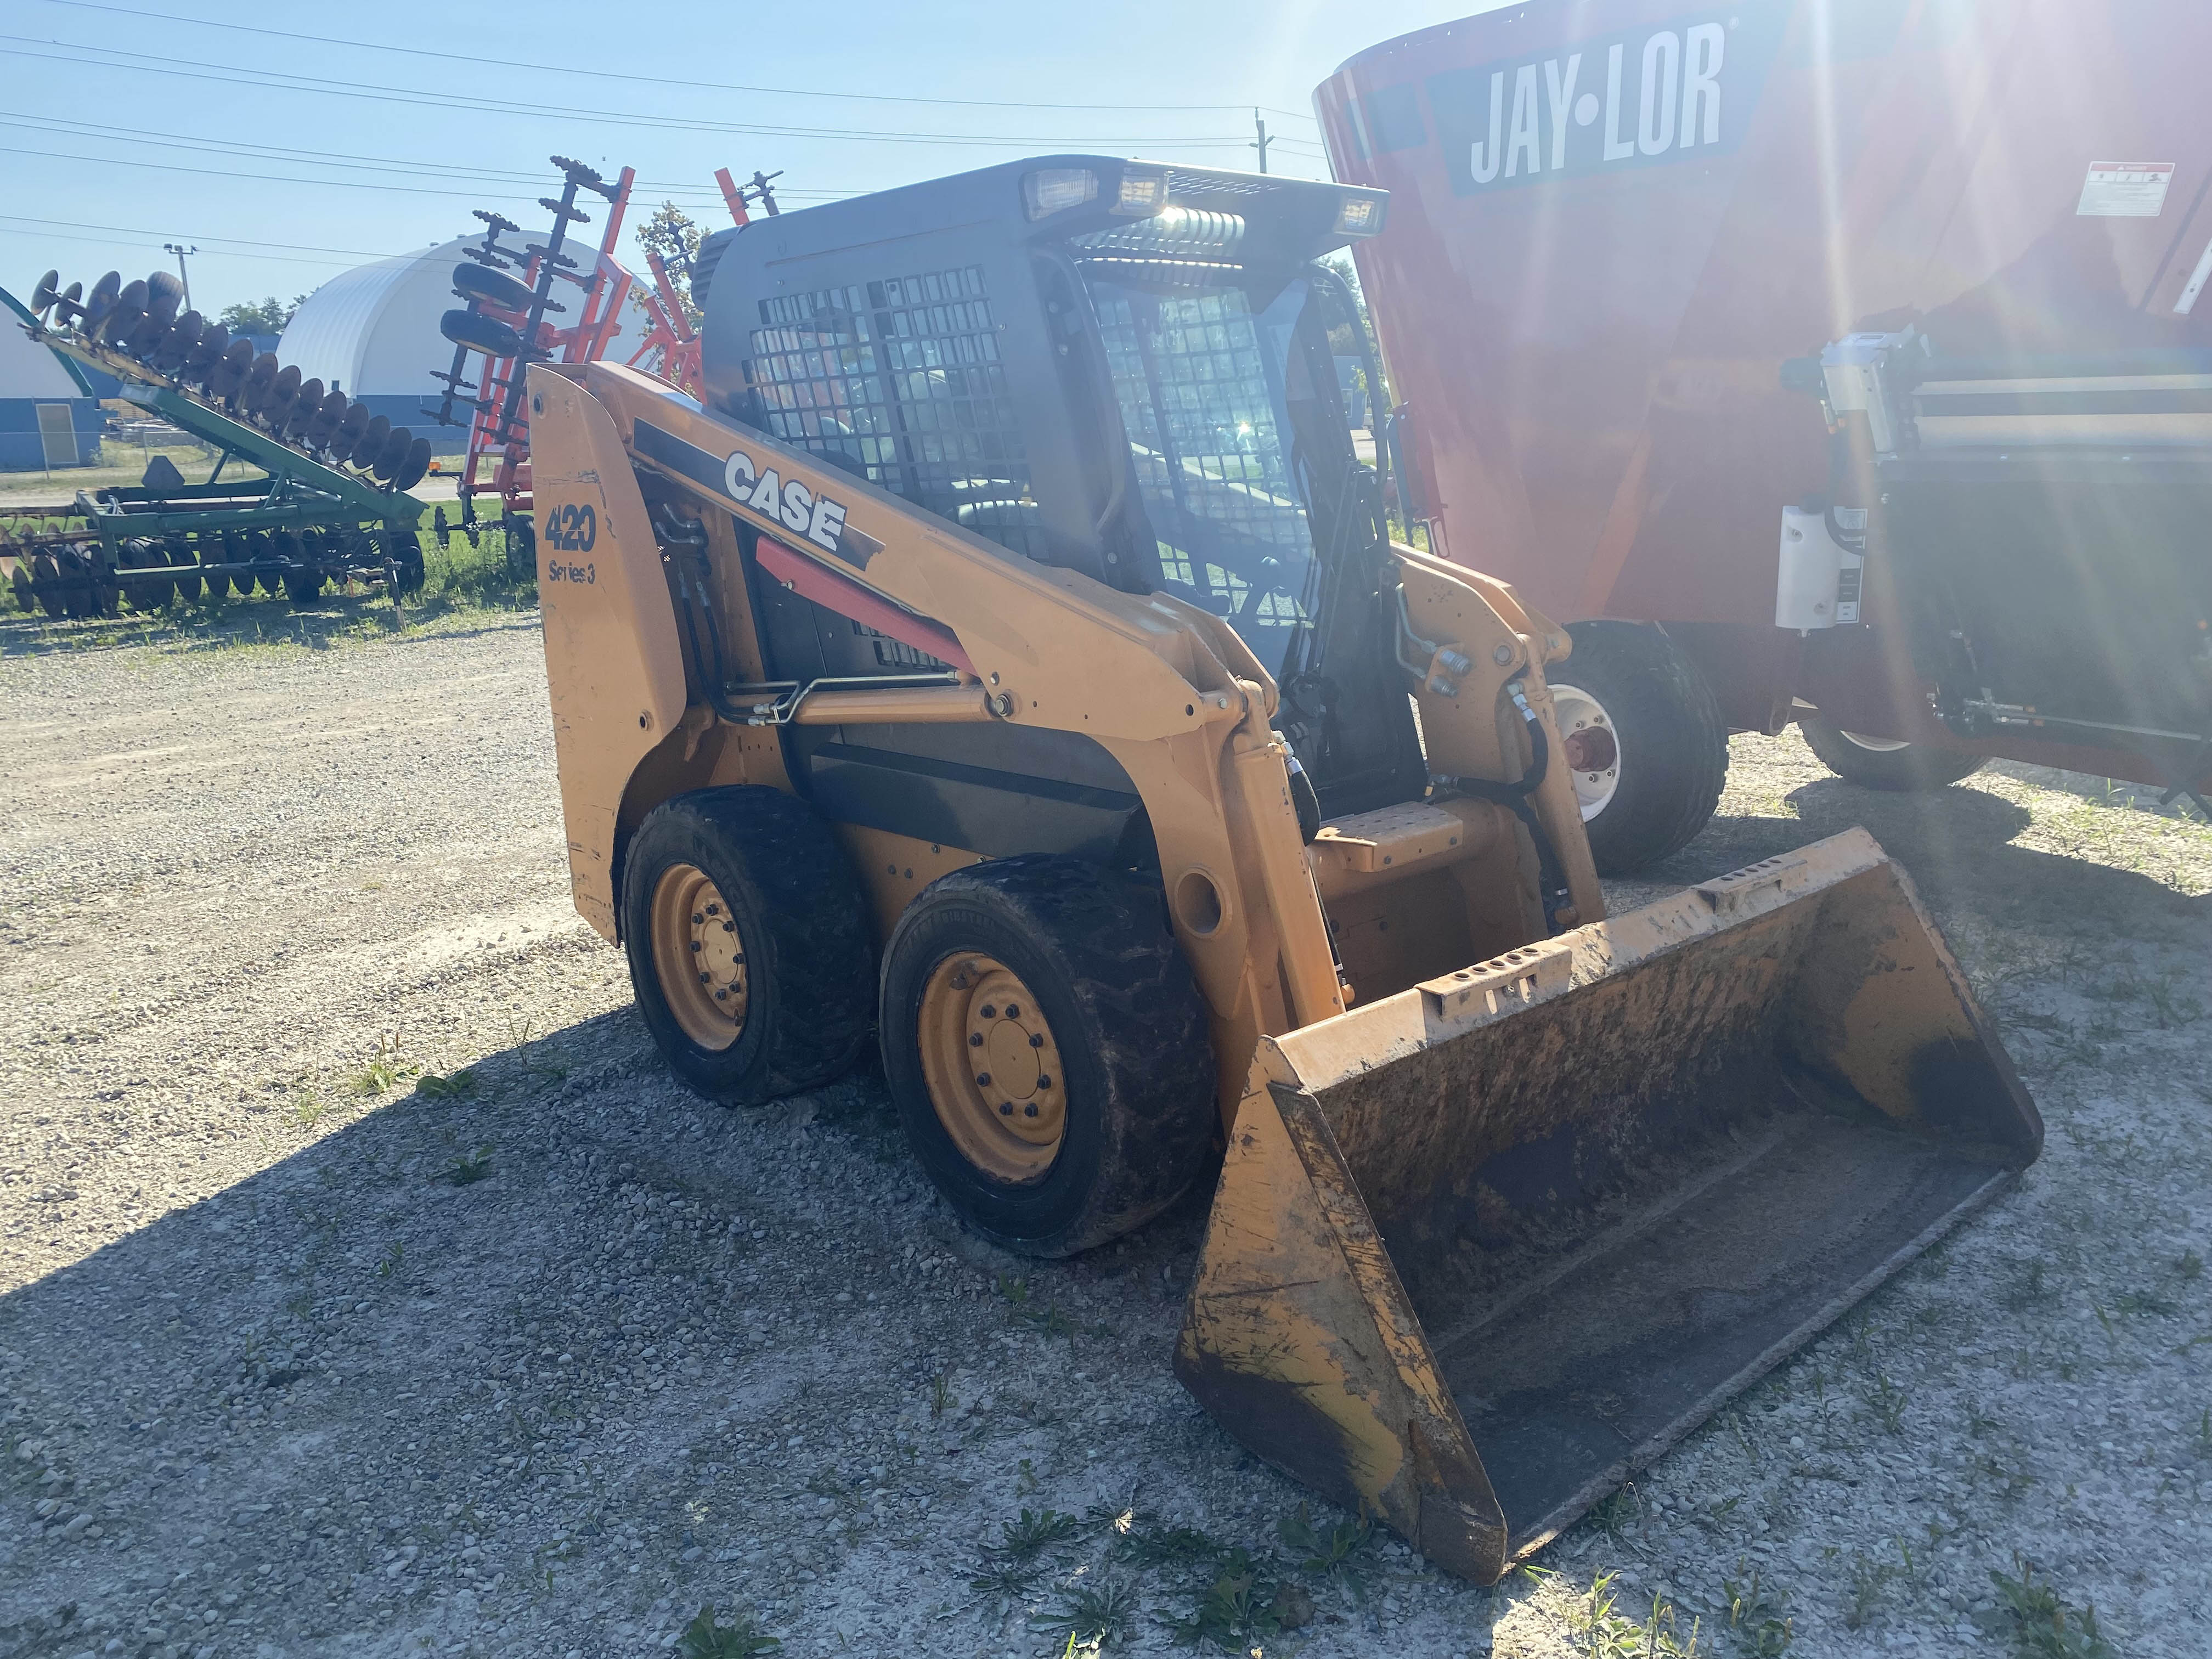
column 128, row 124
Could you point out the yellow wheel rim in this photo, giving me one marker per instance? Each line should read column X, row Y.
column 993, row 1068
column 699, row 956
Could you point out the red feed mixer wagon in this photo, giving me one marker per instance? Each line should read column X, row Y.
column 1846, row 361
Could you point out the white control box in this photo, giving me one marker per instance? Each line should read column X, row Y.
column 1818, row 578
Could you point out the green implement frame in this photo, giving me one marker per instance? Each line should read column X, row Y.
column 308, row 522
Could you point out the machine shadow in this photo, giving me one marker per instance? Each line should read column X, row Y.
column 1959, row 845
column 384, row 1338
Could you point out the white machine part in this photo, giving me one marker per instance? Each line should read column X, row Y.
column 1854, row 368
column 1817, row 581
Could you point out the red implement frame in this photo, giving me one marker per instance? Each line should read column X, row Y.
column 604, row 296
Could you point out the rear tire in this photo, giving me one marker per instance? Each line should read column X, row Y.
column 1669, row 748
column 750, row 883
column 1885, row 763
column 1121, row 1128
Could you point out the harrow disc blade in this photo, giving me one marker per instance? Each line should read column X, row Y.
column 218, row 547
column 101, row 302
column 47, row 586
column 145, row 591
column 206, row 352
column 227, row 378
column 351, row 424
column 165, row 293
column 410, row 470
column 371, row 444
column 329, row 414
column 179, row 549
column 283, row 397
column 387, row 461
column 124, row 316
column 260, row 379
column 44, row 295
column 267, row 557
column 68, row 304
column 145, row 335
column 306, row 406
column 183, row 338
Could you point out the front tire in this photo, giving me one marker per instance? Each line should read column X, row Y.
column 748, row 943
column 1048, row 1051
column 1884, row 763
column 1643, row 740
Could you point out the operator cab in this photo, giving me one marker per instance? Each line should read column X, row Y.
column 1118, row 367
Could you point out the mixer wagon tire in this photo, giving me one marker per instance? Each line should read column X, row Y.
column 749, row 943
column 1885, row 763
column 1047, row 1050
column 1644, row 740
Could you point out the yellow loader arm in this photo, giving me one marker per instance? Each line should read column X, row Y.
column 1167, row 690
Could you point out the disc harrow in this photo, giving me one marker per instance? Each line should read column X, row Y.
column 333, row 509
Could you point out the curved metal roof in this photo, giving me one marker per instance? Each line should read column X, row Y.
column 373, row 331
column 30, row 370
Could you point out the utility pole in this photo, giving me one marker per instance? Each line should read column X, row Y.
column 184, row 276
column 1261, row 143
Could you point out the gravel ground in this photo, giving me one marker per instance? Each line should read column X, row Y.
column 365, row 1286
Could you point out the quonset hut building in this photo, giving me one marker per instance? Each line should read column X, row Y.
column 48, row 414
column 373, row 334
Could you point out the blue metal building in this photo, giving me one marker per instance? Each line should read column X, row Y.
column 48, row 414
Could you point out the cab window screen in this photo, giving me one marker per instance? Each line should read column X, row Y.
column 901, row 377
column 1200, row 376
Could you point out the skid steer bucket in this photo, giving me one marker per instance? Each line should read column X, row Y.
column 1482, row 1250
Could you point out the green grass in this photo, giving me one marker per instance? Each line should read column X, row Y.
column 2044, row 1624
column 469, row 1167
column 708, row 1637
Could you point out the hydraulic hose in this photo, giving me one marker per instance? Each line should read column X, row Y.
column 1552, row 882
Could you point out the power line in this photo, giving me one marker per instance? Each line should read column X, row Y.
column 63, row 128
column 283, row 80
column 651, row 80
column 484, row 195
column 134, row 230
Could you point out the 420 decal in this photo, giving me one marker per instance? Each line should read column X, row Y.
column 571, row 529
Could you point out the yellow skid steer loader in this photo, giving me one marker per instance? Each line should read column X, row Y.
column 1011, row 660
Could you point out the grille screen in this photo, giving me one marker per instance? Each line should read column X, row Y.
column 901, row 379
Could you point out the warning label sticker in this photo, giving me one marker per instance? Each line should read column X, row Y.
column 2125, row 190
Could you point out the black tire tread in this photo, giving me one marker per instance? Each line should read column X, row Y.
column 1916, row 769
column 1147, row 1048
column 811, row 956
column 1665, row 712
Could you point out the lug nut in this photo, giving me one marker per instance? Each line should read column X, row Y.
column 1012, row 1013
column 982, row 1079
column 695, row 947
column 1005, row 1108
column 714, row 909
column 989, row 1012
column 1044, row 1082
column 975, row 1039
column 706, row 979
column 1036, row 1042
column 698, row 920
column 1029, row 1111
